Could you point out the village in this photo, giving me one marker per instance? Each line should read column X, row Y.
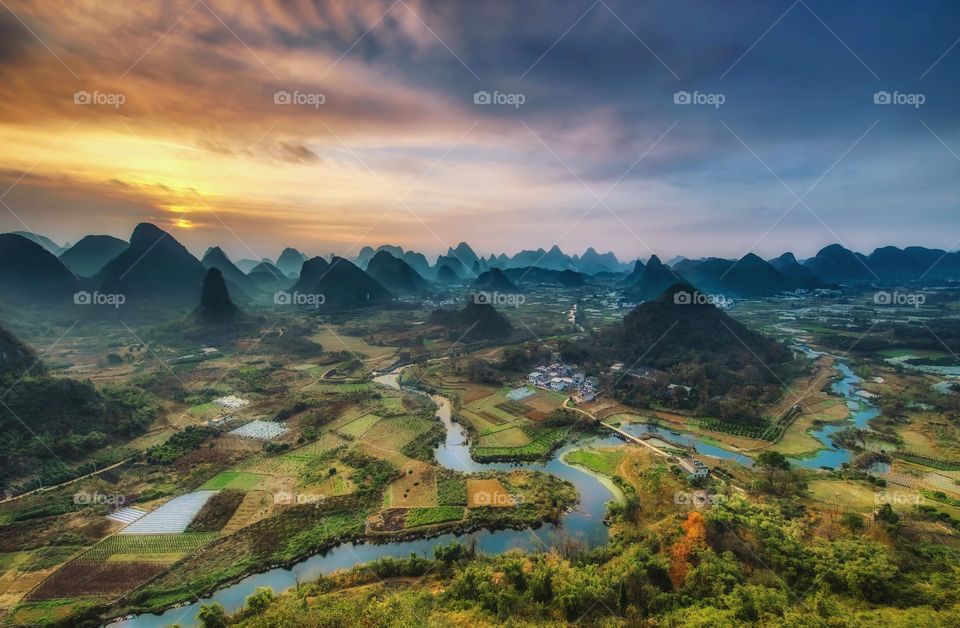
column 561, row 377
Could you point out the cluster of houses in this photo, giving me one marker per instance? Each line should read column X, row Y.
column 561, row 377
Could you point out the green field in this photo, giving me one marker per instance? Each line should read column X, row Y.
column 603, row 461
column 207, row 410
column 539, row 447
column 358, row 427
column 133, row 547
column 430, row 516
column 451, row 489
column 233, row 479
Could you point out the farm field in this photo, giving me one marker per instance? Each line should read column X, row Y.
column 233, row 479
column 358, row 427
column 146, row 547
column 430, row 516
column 375, row 357
column 488, row 493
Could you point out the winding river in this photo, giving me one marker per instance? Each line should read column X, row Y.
column 584, row 524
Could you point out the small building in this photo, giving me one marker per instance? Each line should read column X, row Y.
column 591, row 381
column 578, row 378
column 679, row 389
column 694, row 468
column 535, row 378
column 558, row 384
column 616, row 368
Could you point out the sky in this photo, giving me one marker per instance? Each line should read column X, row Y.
column 676, row 127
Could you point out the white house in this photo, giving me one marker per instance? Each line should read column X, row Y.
column 535, row 378
column 694, row 468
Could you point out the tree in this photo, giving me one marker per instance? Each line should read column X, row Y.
column 260, row 600
column 776, row 469
column 852, row 521
column 886, row 515
column 212, row 616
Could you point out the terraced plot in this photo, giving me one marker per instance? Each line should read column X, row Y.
column 146, row 547
column 233, row 479
column 358, row 427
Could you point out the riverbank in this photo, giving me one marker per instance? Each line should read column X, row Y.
column 606, row 480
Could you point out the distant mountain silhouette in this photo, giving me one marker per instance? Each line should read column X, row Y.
column 494, row 281
column 419, row 263
column 216, row 258
column 458, row 267
column 266, row 276
column 342, row 284
column 154, row 269
column 43, row 241
column 474, row 322
column 654, row 279
column 446, row 275
column 290, row 261
column 31, row 274
column 592, row 262
column 751, row 276
column 91, row 253
column 554, row 259
column 914, row 263
column 246, row 265
column 636, row 274
column 464, row 253
column 532, row 274
column 835, row 264
column 396, row 275
column 216, row 307
column 789, row 266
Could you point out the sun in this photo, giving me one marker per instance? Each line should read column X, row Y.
column 183, row 223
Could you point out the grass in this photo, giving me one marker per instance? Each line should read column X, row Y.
column 233, row 479
column 207, row 410
column 358, row 427
column 605, row 461
column 429, row 516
